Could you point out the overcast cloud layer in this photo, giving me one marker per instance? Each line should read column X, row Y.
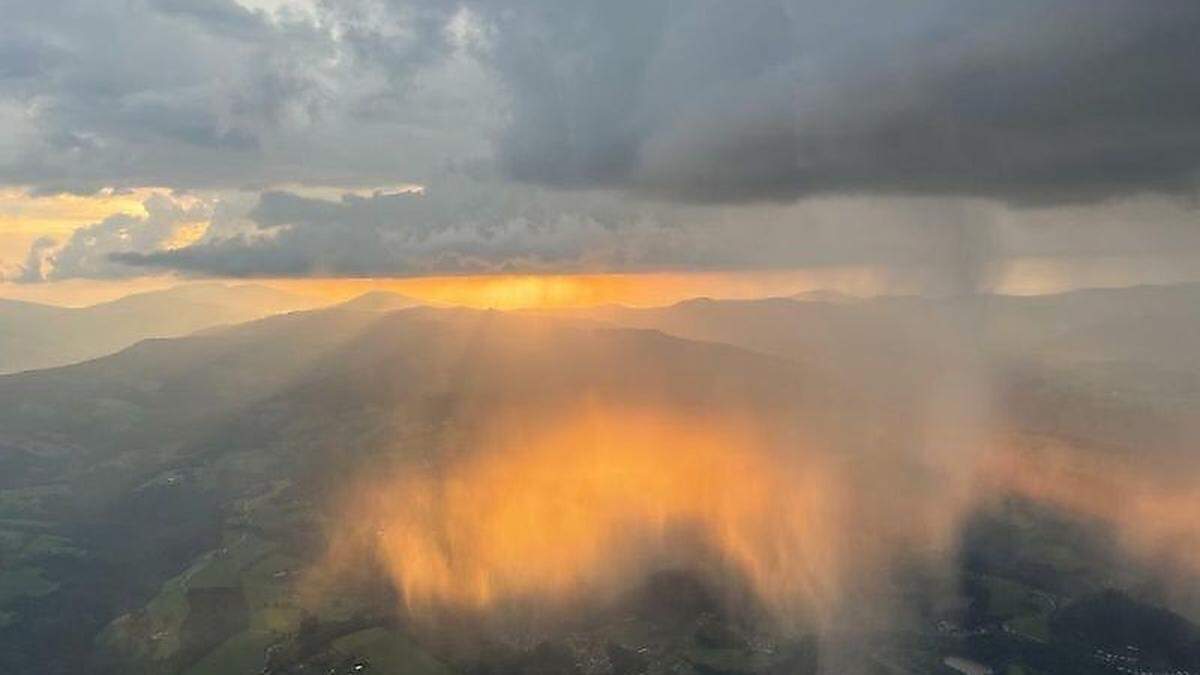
column 612, row 134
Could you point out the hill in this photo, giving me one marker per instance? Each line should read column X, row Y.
column 162, row 509
column 43, row 336
column 381, row 301
column 189, row 473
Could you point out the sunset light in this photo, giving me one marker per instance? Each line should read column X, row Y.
column 599, row 337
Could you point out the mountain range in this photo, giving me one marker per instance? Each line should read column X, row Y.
column 34, row 335
column 160, row 506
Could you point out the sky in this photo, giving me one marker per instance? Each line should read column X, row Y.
column 947, row 141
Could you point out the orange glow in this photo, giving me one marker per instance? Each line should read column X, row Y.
column 186, row 234
column 504, row 292
column 84, row 292
column 1154, row 517
column 595, row 500
column 558, row 291
column 557, row 508
column 61, row 214
column 24, row 218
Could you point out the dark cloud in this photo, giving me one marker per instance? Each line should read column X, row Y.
column 208, row 93
column 1027, row 101
column 449, row 228
column 605, row 134
column 486, row 227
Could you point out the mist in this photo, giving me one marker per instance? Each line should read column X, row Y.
column 810, row 516
column 601, row 337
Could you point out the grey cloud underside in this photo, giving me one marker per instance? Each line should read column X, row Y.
column 466, row 227
column 1026, row 101
column 208, row 94
column 471, row 227
column 607, row 134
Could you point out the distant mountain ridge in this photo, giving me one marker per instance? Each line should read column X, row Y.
column 34, row 336
column 195, row 471
column 380, row 301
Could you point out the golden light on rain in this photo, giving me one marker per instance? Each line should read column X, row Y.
column 550, row 509
column 579, row 508
column 1153, row 515
column 591, row 501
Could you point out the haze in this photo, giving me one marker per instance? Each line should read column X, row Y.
column 516, row 337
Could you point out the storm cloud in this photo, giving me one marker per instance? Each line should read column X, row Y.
column 209, row 93
column 714, row 101
column 606, row 135
column 461, row 227
column 480, row 227
column 1026, row 101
